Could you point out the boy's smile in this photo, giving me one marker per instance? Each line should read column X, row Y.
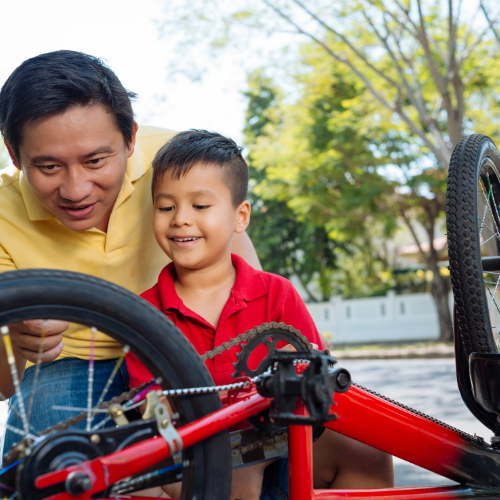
column 195, row 219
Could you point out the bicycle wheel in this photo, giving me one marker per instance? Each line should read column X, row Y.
column 473, row 223
column 78, row 298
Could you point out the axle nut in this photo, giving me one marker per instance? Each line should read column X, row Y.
column 78, row 483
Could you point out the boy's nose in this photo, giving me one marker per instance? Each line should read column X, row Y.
column 181, row 218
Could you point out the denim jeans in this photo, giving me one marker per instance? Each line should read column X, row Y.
column 63, row 383
column 275, row 484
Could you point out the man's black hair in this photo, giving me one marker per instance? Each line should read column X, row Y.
column 52, row 83
column 192, row 147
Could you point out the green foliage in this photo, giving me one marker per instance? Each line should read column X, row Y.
column 317, row 196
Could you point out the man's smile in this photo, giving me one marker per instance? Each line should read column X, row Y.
column 80, row 211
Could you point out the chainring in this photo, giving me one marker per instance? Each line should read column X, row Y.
column 269, row 335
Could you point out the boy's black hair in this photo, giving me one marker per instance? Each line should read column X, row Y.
column 52, row 83
column 191, row 147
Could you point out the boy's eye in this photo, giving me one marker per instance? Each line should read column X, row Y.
column 201, row 207
column 166, row 209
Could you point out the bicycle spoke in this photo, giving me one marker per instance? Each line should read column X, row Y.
column 91, row 379
column 13, row 408
column 13, row 371
column 19, row 432
column 490, row 238
column 484, row 215
column 125, row 351
column 489, row 207
column 494, row 201
column 491, row 230
column 494, row 293
column 37, row 370
column 80, row 410
column 5, row 487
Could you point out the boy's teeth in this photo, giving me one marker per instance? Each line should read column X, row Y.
column 185, row 239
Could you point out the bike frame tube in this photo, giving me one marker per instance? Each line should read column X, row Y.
column 362, row 416
column 300, row 465
column 106, row 471
column 388, row 427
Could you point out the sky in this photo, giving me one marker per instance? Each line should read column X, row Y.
column 124, row 33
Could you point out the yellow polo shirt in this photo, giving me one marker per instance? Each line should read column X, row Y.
column 128, row 255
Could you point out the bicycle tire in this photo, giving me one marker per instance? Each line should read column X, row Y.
column 161, row 346
column 464, row 240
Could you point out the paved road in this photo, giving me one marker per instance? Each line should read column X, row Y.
column 427, row 385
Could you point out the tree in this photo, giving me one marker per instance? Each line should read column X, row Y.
column 426, row 71
column 285, row 244
column 296, row 227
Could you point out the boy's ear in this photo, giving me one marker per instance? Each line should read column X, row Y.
column 243, row 220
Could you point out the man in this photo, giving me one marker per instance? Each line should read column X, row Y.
column 76, row 199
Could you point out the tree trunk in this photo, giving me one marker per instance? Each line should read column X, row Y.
column 439, row 291
column 440, row 286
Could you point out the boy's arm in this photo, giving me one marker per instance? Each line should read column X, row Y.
column 243, row 246
column 294, row 312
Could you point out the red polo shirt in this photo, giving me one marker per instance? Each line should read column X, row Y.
column 256, row 297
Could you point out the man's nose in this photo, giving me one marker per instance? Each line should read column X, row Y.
column 76, row 185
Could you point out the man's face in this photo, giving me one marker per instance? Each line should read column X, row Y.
column 195, row 219
column 75, row 164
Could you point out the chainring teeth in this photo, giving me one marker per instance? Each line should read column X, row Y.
column 278, row 332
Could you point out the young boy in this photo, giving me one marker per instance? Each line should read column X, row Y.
column 200, row 183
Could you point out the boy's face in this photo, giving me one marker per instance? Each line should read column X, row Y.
column 194, row 217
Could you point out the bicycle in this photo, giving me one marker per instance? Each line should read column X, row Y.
column 288, row 397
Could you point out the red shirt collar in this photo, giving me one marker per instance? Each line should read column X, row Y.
column 249, row 284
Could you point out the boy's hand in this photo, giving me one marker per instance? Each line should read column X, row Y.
column 27, row 338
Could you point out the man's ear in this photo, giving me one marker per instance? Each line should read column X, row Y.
column 243, row 211
column 131, row 146
column 13, row 156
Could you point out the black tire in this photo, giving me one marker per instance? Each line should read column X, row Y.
column 49, row 294
column 472, row 159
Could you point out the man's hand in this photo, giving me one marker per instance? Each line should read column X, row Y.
column 28, row 336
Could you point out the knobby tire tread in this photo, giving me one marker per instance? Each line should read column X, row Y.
column 464, row 248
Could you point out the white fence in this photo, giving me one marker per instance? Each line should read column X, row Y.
column 393, row 318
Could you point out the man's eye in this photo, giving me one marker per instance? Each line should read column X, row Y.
column 201, row 207
column 48, row 167
column 166, row 209
column 95, row 161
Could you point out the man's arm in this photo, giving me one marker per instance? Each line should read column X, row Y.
column 243, row 246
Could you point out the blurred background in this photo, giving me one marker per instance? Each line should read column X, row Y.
column 348, row 112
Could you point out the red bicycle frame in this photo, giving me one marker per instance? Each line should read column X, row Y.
column 362, row 415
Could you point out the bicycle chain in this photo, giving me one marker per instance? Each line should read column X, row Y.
column 474, row 438
column 241, row 450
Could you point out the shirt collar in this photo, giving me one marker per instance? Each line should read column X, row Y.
column 249, row 284
column 137, row 166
